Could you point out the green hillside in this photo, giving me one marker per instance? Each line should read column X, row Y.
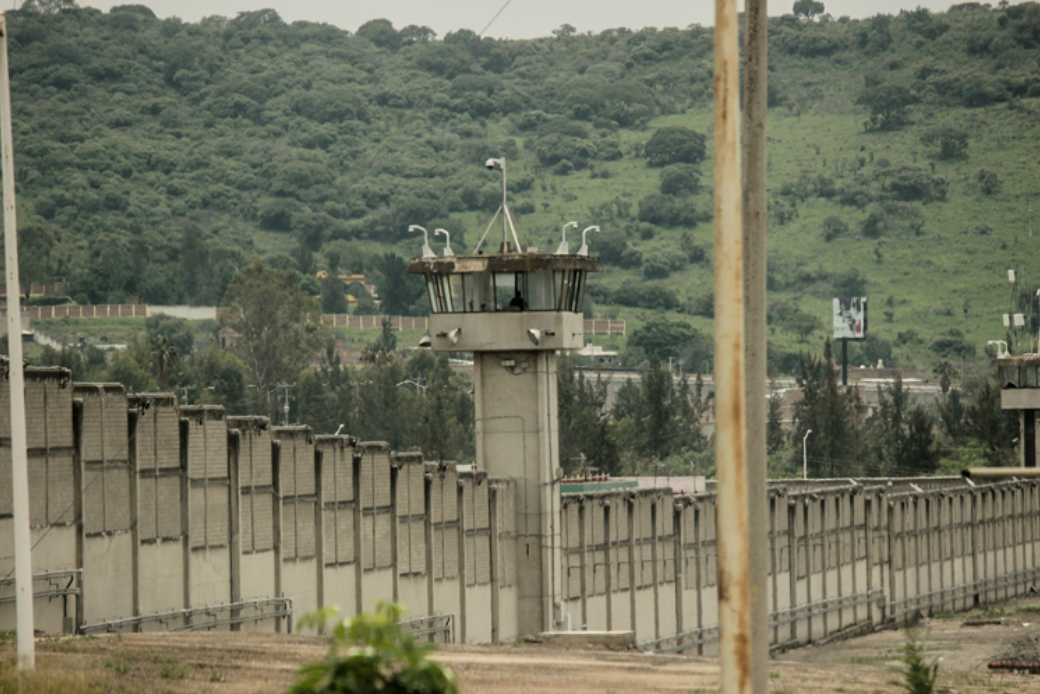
column 155, row 158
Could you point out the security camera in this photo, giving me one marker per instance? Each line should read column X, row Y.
column 490, row 163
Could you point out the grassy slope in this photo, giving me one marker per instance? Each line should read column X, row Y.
column 949, row 276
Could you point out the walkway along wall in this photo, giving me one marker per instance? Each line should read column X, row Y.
column 150, row 516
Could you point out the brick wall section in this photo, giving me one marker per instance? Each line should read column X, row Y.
column 477, row 525
column 48, row 396
column 444, row 517
column 411, row 513
column 208, row 483
column 257, row 499
column 106, row 460
column 376, row 509
column 337, row 482
column 158, row 466
column 298, row 491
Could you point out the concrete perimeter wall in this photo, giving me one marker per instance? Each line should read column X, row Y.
column 844, row 557
column 150, row 516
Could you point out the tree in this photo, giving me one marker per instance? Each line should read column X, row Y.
column 834, row 414
column 586, row 430
column 988, row 181
column 802, row 324
column 164, row 354
column 381, row 33
column 674, row 145
column 945, row 371
column 276, row 326
column 889, row 105
column 807, row 9
column 399, row 291
column 333, row 295
column 775, row 436
column 833, row 227
column 952, row 142
column 903, row 435
column 680, row 179
column 176, row 330
column 664, row 338
column 416, row 34
column 220, row 377
column 36, row 241
column 564, row 31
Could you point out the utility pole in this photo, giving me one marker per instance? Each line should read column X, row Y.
column 285, row 401
column 735, row 652
column 186, row 389
column 755, row 217
column 19, row 454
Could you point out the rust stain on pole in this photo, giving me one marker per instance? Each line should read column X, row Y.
column 731, row 451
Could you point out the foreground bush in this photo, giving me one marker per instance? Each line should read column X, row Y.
column 370, row 653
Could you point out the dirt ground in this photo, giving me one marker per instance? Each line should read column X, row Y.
column 265, row 663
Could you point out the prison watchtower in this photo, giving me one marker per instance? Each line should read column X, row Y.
column 513, row 310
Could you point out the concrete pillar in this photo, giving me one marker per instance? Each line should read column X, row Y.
column 460, row 535
column 611, row 562
column 496, row 617
column 516, row 424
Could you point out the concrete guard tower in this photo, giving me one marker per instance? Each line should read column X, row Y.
column 1019, row 379
column 514, row 310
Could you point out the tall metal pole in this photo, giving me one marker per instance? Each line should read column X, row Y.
column 730, row 443
column 754, row 220
column 19, row 457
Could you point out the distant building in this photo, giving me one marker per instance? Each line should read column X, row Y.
column 599, row 356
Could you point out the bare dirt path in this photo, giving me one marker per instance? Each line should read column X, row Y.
column 266, row 663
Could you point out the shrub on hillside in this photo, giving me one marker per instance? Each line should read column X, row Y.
column 952, row 142
column 833, row 227
column 910, row 182
column 639, row 294
column 675, row 145
column 669, row 211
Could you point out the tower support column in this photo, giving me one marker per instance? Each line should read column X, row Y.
column 516, row 423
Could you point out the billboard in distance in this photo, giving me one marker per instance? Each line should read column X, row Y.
column 850, row 318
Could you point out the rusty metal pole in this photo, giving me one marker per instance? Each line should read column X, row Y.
column 730, row 443
column 754, row 220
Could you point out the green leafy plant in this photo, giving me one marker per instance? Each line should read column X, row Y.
column 371, row 653
column 918, row 674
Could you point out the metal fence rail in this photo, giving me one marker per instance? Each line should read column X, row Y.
column 282, row 607
column 823, row 607
column 696, row 637
column 431, row 625
column 54, row 578
column 945, row 596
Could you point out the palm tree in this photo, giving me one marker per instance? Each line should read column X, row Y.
column 163, row 353
column 945, row 371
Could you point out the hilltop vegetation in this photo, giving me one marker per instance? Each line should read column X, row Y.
column 155, row 158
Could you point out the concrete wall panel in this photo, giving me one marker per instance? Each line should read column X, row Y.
column 258, row 575
column 341, row 588
column 209, row 571
column 108, row 571
column 161, row 576
column 300, row 581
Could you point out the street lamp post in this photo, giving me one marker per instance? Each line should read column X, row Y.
column 805, row 456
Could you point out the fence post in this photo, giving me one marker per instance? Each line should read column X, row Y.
column 792, row 564
column 807, row 531
column 892, row 559
column 868, row 549
column 825, row 561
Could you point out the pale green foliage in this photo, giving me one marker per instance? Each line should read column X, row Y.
column 370, row 653
column 918, row 675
